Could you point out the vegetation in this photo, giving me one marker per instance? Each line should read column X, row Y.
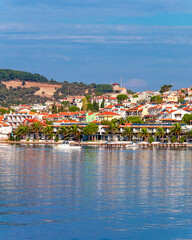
column 176, row 130
column 165, row 88
column 113, row 129
column 48, row 131
column 144, row 133
column 160, row 133
column 121, row 97
column 128, row 132
column 187, row 118
column 8, row 74
column 151, row 139
column 90, row 129
column 103, row 103
column 134, row 119
column 63, row 131
column 19, row 95
column 73, row 109
column 157, row 99
column 75, row 132
column 36, row 127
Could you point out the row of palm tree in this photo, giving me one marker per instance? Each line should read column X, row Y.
column 22, row 131
column 113, row 129
column 176, row 131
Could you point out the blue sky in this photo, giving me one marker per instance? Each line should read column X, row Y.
column 147, row 42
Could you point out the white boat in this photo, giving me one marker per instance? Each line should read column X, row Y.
column 132, row 145
column 66, row 145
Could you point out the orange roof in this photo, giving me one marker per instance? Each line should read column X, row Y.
column 4, row 124
column 169, row 119
column 108, row 114
column 110, row 106
column 95, row 121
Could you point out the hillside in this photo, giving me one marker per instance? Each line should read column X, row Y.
column 23, row 87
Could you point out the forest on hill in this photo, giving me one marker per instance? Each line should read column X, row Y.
column 23, row 94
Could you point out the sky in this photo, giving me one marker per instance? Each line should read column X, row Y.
column 146, row 42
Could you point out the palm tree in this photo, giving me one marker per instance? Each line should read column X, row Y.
column 189, row 134
column 160, row 132
column 128, row 132
column 176, row 130
column 144, row 133
column 48, row 131
column 36, row 127
column 63, row 131
column 74, row 131
column 22, row 131
column 113, row 129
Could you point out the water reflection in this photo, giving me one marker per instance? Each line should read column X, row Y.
column 113, row 191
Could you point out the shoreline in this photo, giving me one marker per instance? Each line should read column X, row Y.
column 141, row 145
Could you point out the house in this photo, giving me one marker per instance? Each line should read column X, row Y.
column 107, row 116
column 5, row 130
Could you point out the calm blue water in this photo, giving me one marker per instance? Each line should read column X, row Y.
column 95, row 193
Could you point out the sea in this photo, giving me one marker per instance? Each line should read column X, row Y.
column 94, row 193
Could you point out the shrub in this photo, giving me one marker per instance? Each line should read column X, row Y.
column 182, row 139
column 56, row 139
column 151, row 139
column 173, row 139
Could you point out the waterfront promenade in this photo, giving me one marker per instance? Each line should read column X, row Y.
column 110, row 145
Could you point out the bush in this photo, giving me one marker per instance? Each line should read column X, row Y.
column 182, row 139
column 56, row 139
column 151, row 139
column 17, row 138
column 173, row 139
column 28, row 139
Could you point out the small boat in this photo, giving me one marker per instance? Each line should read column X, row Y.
column 66, row 145
column 132, row 145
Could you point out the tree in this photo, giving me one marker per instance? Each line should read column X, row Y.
column 22, row 131
column 103, row 103
column 3, row 111
column 95, row 107
column 49, row 122
column 144, row 133
column 165, row 88
column 105, row 122
column 113, row 129
column 181, row 100
column 48, row 131
column 37, row 127
column 151, row 139
column 189, row 134
column 121, row 97
column 65, row 103
column 187, row 118
column 176, row 130
column 75, row 132
column 88, row 97
column 134, row 119
column 63, row 131
column 73, row 109
column 90, row 129
column 160, row 132
column 128, row 132
column 121, row 120
column 84, row 107
column 89, row 106
column 158, row 99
